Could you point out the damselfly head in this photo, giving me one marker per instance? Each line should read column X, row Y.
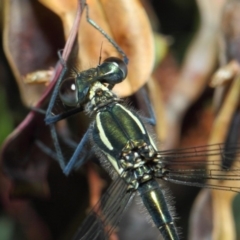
column 74, row 91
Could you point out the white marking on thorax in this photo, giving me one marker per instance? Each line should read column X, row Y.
column 94, row 87
column 113, row 161
column 102, row 134
column 140, row 125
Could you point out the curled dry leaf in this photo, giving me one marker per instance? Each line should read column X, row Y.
column 30, row 44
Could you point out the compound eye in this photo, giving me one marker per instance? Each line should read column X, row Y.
column 121, row 64
column 68, row 92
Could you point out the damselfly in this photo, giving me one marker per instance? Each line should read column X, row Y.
column 125, row 148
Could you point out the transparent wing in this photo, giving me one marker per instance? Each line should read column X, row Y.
column 107, row 213
column 204, row 166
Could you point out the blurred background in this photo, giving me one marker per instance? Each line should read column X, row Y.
column 175, row 49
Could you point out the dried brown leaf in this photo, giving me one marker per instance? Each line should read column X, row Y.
column 29, row 47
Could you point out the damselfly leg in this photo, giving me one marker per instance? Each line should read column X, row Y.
column 143, row 98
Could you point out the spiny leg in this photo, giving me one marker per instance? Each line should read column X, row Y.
column 75, row 160
column 44, row 148
column 49, row 115
column 58, row 156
